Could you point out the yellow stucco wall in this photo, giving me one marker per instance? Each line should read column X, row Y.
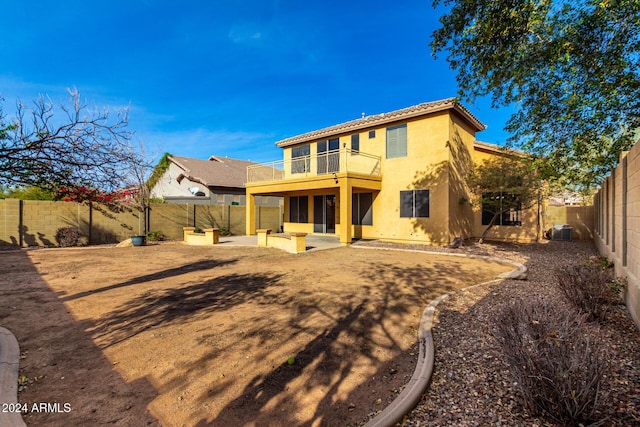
column 531, row 228
column 461, row 152
column 424, row 168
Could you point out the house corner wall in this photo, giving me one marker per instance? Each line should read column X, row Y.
column 461, row 214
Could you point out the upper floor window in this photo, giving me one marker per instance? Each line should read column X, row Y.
column 355, row 143
column 397, row 141
column 372, row 134
column 328, row 156
column 300, row 160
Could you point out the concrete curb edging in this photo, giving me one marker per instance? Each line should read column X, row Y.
column 9, row 364
column 412, row 393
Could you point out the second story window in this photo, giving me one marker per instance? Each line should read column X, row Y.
column 397, row 141
column 355, row 143
column 328, row 156
column 300, row 160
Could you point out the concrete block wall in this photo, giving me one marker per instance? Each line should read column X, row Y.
column 269, row 217
column 10, row 222
column 580, row 218
column 170, row 218
column 35, row 223
column 42, row 219
column 617, row 224
column 113, row 225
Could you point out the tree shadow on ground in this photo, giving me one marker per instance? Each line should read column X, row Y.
column 60, row 358
column 207, row 264
column 261, row 389
column 162, row 307
column 362, row 331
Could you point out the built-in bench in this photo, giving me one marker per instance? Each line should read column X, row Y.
column 292, row 242
column 210, row 236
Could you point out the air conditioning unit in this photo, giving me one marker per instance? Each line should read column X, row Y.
column 562, row 232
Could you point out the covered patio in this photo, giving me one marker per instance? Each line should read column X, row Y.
column 318, row 191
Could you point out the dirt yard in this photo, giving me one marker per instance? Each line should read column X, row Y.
column 175, row 335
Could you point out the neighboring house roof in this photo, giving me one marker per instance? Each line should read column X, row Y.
column 215, row 172
column 380, row 119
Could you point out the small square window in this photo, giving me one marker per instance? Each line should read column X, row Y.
column 372, row 134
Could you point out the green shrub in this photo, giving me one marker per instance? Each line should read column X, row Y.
column 67, row 236
column 602, row 261
column 556, row 359
column 155, row 236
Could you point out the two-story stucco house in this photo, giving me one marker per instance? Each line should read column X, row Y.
column 395, row 176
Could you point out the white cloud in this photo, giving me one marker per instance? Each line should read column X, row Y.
column 246, row 33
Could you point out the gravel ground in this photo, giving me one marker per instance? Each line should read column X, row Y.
column 472, row 384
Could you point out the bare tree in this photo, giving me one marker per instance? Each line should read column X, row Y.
column 139, row 168
column 67, row 145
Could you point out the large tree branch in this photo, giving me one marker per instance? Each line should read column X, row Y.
column 78, row 147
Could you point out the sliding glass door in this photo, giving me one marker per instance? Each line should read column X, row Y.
column 324, row 214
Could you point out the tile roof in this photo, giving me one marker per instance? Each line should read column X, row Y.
column 500, row 149
column 379, row 119
column 215, row 172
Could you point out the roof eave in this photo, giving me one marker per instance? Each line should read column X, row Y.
column 498, row 149
column 384, row 118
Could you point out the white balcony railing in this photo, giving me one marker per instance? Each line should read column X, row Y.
column 336, row 161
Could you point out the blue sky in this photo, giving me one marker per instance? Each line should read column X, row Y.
column 229, row 78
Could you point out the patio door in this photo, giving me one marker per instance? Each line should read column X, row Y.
column 324, row 214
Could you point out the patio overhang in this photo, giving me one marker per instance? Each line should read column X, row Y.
column 328, row 181
column 342, row 184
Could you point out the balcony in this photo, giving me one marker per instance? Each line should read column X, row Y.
column 340, row 161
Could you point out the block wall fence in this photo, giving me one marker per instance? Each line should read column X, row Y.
column 580, row 218
column 27, row 223
column 617, row 224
